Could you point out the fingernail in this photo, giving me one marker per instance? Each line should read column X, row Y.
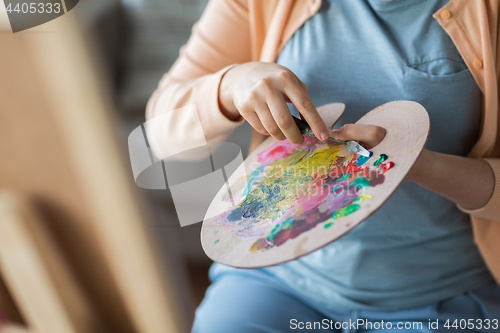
column 334, row 132
column 323, row 136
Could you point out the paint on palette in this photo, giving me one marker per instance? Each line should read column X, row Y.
column 387, row 166
column 380, row 160
column 362, row 159
column 328, row 225
column 297, row 187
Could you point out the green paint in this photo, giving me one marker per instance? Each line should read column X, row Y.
column 345, row 176
column 362, row 182
column 342, row 212
column 216, row 241
column 328, row 225
column 380, row 159
column 280, row 226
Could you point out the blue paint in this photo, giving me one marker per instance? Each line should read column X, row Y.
column 380, row 160
column 362, row 159
column 255, row 176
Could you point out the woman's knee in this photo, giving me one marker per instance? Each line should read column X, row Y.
column 237, row 303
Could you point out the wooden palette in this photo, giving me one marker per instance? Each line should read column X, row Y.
column 288, row 200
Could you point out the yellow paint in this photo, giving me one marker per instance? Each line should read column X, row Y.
column 364, row 197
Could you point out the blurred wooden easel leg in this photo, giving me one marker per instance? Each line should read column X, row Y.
column 61, row 150
column 26, row 273
column 14, row 328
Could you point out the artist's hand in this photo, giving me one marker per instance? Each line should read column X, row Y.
column 368, row 135
column 259, row 91
column 468, row 182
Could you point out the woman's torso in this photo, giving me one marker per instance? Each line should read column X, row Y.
column 418, row 247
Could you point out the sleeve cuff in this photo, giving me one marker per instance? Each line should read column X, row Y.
column 491, row 210
column 215, row 124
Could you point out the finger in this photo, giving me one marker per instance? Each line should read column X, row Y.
column 267, row 120
column 303, row 103
column 283, row 119
column 254, row 121
column 302, row 85
column 371, row 135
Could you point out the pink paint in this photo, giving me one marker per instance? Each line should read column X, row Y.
column 283, row 149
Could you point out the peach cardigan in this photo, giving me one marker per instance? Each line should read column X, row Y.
column 237, row 31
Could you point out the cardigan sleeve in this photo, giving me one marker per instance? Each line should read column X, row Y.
column 491, row 210
column 219, row 39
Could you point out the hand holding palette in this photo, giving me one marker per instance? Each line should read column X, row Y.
column 287, row 200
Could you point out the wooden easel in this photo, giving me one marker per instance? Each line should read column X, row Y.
column 75, row 255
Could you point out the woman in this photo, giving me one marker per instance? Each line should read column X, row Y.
column 412, row 263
